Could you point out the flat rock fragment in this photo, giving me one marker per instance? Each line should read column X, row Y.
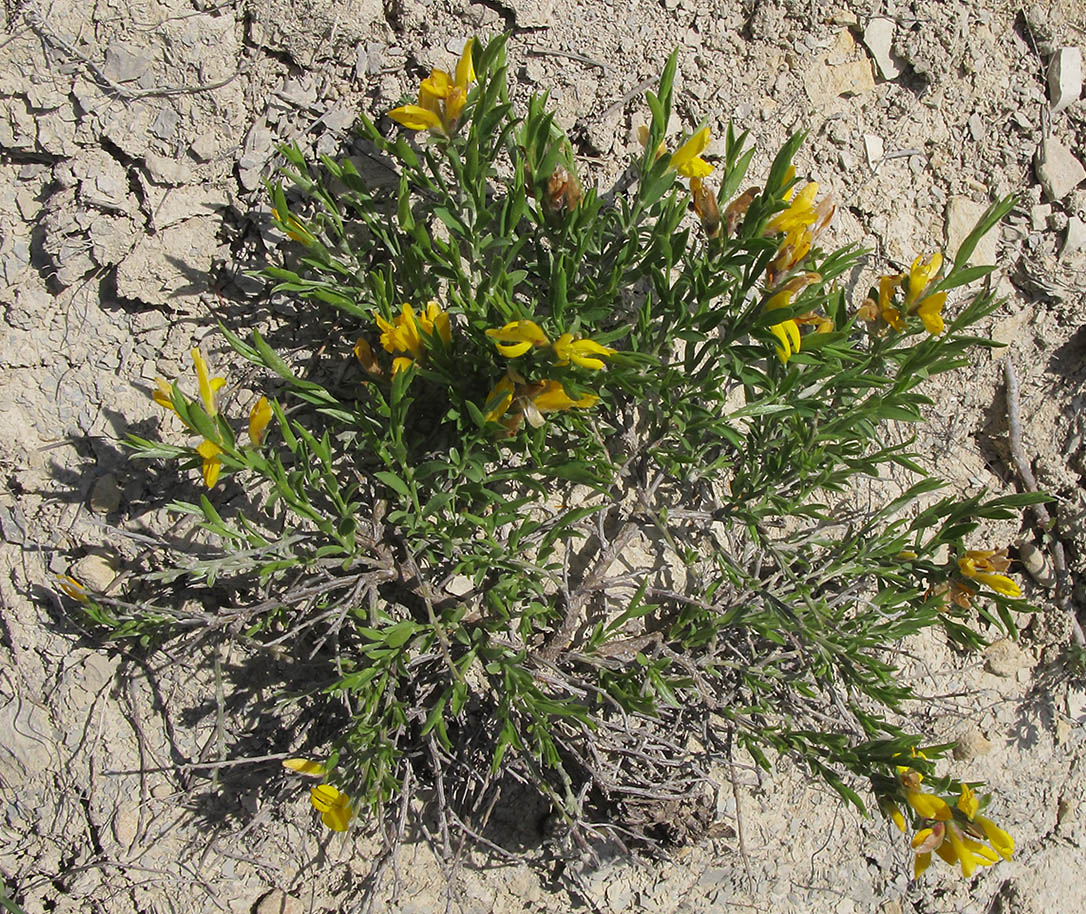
column 879, row 39
column 962, row 215
column 1057, row 169
column 1064, row 78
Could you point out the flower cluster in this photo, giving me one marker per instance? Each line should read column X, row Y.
column 928, row 307
column 210, row 452
column 441, row 98
column 334, row 806
column 514, row 399
column 409, row 333
column 956, row 833
column 801, row 224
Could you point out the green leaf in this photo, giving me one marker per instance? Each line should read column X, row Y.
column 394, row 482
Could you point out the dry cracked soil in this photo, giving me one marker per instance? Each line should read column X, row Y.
column 134, row 138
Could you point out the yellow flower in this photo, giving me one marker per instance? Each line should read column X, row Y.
column 210, row 451
column 931, row 313
column 407, row 334
column 163, row 395
column 500, row 398
column 305, row 766
column 802, row 222
column 209, row 386
column 512, row 400
column 788, row 333
column 259, row 417
column 928, row 805
column 72, row 587
column 517, row 337
column 335, row 807
column 441, row 97
column 580, row 352
column 293, row 229
column 800, row 212
column 887, row 287
column 687, row 160
column 552, row 397
column 402, row 333
column 984, row 565
column 432, row 320
column 1000, row 840
column 921, row 273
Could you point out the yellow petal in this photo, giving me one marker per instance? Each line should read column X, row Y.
column 928, row 805
column 438, row 84
column 415, row 117
column 947, row 852
column 401, row 363
column 695, row 168
column 921, row 273
column 580, row 352
column 208, row 385
column 999, row 839
column 210, row 451
column 968, row 802
column 788, row 333
column 304, row 766
column 72, row 587
column 259, row 417
column 553, row 397
column 499, row 399
column 921, row 863
column 800, row 212
column 334, row 807
column 683, row 158
column 1000, row 583
column 517, row 337
column 930, row 311
column 465, row 67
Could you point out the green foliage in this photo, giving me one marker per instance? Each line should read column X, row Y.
column 595, row 594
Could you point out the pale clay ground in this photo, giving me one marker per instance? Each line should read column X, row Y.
column 123, row 202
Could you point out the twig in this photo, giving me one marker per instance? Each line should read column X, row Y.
column 1029, row 481
column 563, row 635
column 554, row 52
column 738, row 814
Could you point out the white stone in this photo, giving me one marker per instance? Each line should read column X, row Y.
column 879, row 39
column 873, row 149
column 1057, row 169
column 1064, row 78
column 1075, row 239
